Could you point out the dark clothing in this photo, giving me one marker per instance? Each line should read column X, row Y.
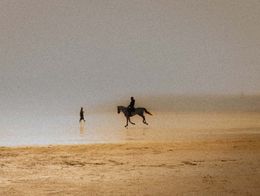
column 81, row 114
column 132, row 104
column 131, row 108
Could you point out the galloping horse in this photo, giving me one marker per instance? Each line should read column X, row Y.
column 138, row 111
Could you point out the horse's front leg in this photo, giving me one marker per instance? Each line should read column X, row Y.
column 126, row 122
column 131, row 121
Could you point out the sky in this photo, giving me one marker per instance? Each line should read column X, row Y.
column 63, row 53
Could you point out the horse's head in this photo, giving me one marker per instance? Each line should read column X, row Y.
column 121, row 109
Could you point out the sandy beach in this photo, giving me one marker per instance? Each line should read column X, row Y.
column 73, row 74
column 222, row 166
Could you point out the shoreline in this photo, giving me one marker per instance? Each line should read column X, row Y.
column 205, row 139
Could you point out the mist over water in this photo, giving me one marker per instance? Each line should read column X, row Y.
column 109, row 128
column 59, row 56
column 174, row 118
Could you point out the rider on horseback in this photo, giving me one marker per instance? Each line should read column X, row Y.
column 131, row 107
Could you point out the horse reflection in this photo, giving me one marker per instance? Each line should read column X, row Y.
column 136, row 134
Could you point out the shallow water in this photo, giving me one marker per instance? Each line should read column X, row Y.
column 109, row 127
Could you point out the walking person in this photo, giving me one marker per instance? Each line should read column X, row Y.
column 81, row 114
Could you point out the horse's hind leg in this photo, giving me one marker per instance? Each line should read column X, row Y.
column 144, row 121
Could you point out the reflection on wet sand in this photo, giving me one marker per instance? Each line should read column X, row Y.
column 108, row 127
column 82, row 128
column 136, row 134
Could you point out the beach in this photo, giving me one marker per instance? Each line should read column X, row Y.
column 130, row 98
column 227, row 165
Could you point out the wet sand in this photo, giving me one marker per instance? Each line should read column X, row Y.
column 222, row 166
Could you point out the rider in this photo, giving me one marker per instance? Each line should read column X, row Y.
column 81, row 114
column 131, row 107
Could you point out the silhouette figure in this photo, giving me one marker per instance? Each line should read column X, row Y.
column 81, row 114
column 131, row 107
column 138, row 111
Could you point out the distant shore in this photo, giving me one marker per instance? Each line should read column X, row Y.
column 228, row 166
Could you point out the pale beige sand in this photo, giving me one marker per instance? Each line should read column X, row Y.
column 227, row 166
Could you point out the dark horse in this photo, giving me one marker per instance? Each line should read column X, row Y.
column 138, row 111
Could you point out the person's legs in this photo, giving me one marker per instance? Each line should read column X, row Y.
column 129, row 111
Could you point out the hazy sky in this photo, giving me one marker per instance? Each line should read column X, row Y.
column 63, row 52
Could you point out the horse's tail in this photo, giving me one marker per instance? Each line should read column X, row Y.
column 147, row 111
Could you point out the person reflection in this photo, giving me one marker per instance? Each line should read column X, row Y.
column 82, row 128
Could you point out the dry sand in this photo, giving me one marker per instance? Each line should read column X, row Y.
column 227, row 166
